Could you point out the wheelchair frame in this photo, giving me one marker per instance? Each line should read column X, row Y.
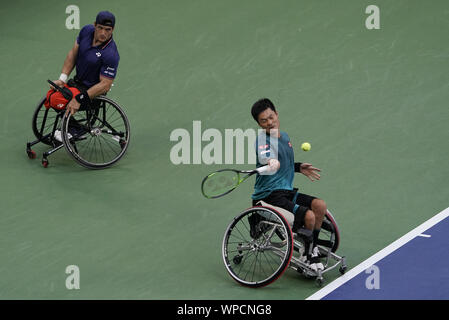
column 285, row 245
column 62, row 122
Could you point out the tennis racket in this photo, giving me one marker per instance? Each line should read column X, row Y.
column 222, row 182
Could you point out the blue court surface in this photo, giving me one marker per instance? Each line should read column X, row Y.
column 415, row 267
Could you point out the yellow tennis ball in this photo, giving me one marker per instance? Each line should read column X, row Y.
column 306, row 146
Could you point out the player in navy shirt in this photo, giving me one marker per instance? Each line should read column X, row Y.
column 96, row 59
column 277, row 189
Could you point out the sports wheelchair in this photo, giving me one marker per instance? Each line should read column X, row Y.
column 97, row 136
column 259, row 245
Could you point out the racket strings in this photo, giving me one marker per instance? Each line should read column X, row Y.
column 219, row 183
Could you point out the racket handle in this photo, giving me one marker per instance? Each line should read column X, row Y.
column 263, row 169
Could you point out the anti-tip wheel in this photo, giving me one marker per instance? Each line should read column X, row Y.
column 45, row 163
column 31, row 154
column 343, row 269
column 319, row 281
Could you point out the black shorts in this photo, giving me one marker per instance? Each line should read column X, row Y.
column 77, row 84
column 286, row 200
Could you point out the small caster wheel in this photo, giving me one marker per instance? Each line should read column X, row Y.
column 31, row 154
column 343, row 269
column 45, row 163
column 319, row 281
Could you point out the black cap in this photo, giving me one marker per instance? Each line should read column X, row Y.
column 105, row 18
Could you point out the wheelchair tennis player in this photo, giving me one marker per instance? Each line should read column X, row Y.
column 277, row 189
column 96, row 59
column 76, row 114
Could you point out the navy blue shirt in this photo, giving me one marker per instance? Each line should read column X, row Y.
column 266, row 148
column 92, row 62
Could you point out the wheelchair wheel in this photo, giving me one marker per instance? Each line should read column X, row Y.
column 98, row 136
column 43, row 122
column 257, row 247
column 329, row 235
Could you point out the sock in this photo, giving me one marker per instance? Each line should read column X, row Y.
column 307, row 249
column 316, row 232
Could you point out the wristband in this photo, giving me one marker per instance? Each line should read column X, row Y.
column 63, row 77
column 83, row 98
column 298, row 166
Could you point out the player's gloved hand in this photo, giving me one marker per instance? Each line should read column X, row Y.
column 274, row 165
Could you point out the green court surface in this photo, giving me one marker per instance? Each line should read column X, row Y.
column 373, row 104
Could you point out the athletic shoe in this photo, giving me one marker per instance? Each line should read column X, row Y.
column 315, row 262
column 58, row 135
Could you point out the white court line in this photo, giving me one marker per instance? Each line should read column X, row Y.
column 379, row 255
